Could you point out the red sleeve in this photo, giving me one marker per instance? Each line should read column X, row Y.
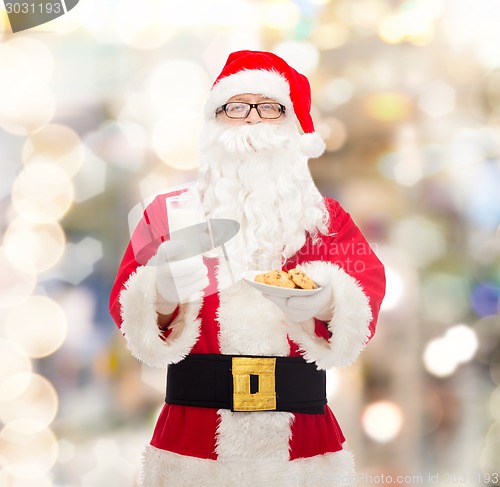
column 149, row 233
column 348, row 248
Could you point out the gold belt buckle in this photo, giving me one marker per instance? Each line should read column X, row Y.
column 265, row 398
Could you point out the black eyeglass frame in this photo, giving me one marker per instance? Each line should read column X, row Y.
column 250, row 106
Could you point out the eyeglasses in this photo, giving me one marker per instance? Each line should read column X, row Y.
column 242, row 110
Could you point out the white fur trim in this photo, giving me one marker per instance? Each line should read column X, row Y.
column 312, row 145
column 166, row 469
column 249, row 323
column 138, row 302
column 257, row 81
column 350, row 324
column 259, row 435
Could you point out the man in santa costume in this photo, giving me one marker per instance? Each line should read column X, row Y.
column 246, row 401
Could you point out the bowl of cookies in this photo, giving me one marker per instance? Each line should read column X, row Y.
column 281, row 283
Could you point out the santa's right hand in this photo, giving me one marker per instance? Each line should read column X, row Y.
column 178, row 281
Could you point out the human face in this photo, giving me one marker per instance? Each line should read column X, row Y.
column 253, row 117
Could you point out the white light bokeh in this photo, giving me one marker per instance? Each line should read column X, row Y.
column 150, row 27
column 365, row 15
column 3, row 25
column 32, row 247
column 437, row 99
column 412, row 22
column 112, row 468
column 330, row 35
column 408, row 167
column 143, row 28
column 389, row 106
column 154, row 378
column 86, row 252
column 490, row 461
column 25, row 453
column 80, row 304
column 33, row 408
column 177, row 86
column 487, row 40
column 40, row 58
column 466, row 150
column 67, row 450
column 382, row 421
column 58, row 144
column 9, row 477
column 337, row 92
column 15, row 73
column 495, row 405
column 464, row 341
column 122, row 143
column 334, row 132
column 13, row 386
column 173, row 139
column 42, row 193
column 38, row 325
column 28, row 112
column 443, row 355
column 136, row 108
column 15, row 285
column 303, row 56
column 198, row 13
column 420, row 237
column 395, row 289
column 332, row 382
column 14, row 361
column 91, row 179
column 279, row 14
column 493, row 433
column 444, row 296
column 152, row 184
column 439, row 358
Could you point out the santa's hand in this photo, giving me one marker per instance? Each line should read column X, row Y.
column 178, row 281
column 303, row 308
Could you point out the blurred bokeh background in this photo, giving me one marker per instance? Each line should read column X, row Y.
column 100, row 109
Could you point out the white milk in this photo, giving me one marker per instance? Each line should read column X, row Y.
column 182, row 217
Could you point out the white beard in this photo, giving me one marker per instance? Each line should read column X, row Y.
column 258, row 176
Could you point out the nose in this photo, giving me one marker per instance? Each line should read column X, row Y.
column 253, row 116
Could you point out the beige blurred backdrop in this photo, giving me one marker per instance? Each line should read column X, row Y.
column 100, row 110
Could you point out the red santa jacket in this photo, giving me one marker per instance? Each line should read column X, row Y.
column 235, row 319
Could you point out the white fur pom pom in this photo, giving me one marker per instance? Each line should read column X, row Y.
column 312, row 144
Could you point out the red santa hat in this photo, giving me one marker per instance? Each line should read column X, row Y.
column 266, row 74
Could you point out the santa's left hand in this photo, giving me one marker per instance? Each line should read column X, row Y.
column 303, row 308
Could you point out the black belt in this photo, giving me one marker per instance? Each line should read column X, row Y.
column 247, row 383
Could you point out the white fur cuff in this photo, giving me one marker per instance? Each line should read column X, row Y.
column 138, row 302
column 166, row 469
column 350, row 323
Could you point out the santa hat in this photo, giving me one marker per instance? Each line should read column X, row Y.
column 266, row 74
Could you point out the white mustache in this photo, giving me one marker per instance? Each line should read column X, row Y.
column 253, row 138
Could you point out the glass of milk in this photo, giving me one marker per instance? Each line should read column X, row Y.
column 184, row 210
column 184, row 215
